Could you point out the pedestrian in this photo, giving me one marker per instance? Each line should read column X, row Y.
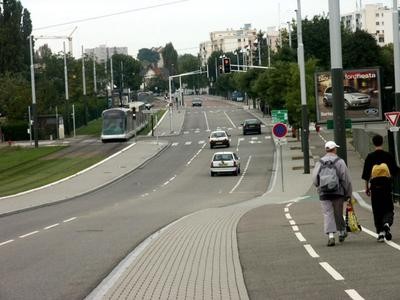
column 379, row 187
column 332, row 178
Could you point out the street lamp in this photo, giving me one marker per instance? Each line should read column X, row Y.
column 34, row 109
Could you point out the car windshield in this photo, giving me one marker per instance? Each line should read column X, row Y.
column 218, row 134
column 220, row 157
column 349, row 89
column 252, row 121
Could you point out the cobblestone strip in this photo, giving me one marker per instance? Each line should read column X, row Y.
column 197, row 258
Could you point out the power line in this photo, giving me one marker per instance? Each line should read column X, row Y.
column 113, row 14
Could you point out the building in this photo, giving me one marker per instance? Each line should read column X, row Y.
column 375, row 19
column 102, row 52
column 228, row 40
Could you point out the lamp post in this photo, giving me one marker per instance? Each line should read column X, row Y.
column 84, row 89
column 34, row 108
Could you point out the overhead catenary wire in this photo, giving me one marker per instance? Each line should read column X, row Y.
column 112, row 14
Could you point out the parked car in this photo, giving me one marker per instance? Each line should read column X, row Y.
column 352, row 98
column 197, row 102
column 219, row 138
column 251, row 126
column 225, row 162
column 237, row 96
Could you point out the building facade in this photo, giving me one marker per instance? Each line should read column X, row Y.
column 103, row 52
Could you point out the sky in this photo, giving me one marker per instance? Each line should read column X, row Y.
column 185, row 23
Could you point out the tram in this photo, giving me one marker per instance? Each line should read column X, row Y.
column 122, row 123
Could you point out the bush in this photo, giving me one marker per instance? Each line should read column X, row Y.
column 15, row 131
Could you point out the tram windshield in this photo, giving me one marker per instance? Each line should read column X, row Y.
column 113, row 122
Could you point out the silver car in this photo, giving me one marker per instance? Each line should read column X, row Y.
column 225, row 162
column 352, row 98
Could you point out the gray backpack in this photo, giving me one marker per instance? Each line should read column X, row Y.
column 329, row 182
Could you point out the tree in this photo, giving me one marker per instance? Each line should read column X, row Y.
column 146, row 56
column 189, row 63
column 214, row 58
column 170, row 57
column 15, row 28
column 127, row 71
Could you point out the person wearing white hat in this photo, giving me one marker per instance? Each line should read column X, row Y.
column 332, row 179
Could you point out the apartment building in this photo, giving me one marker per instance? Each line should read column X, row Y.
column 102, row 52
column 376, row 19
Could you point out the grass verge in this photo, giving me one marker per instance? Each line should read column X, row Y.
column 147, row 129
column 93, row 128
column 22, row 169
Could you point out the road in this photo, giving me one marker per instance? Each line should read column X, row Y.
column 63, row 251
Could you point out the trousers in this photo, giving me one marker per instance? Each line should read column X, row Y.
column 332, row 211
column 382, row 203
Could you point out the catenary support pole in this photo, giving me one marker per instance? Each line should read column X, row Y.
column 337, row 78
column 34, row 109
column 304, row 109
column 85, row 111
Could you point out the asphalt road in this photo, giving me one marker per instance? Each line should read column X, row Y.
column 63, row 251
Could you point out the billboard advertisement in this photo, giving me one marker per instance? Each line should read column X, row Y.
column 362, row 95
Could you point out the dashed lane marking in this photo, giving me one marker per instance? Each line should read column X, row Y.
column 353, row 294
column 295, row 228
column 28, row 234
column 175, row 144
column 331, row 271
column 201, row 142
column 292, row 222
column 288, row 216
column 300, row 237
column 69, row 220
column 188, row 143
column 6, row 242
column 311, row 251
column 51, row 226
column 230, row 120
column 286, row 209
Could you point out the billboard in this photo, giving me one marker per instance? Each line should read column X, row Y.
column 362, row 95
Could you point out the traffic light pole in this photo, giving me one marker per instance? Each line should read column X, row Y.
column 34, row 109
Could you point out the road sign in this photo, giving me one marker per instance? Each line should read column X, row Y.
column 279, row 116
column 392, row 117
column 279, row 130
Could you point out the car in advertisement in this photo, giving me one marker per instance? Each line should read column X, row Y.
column 361, row 95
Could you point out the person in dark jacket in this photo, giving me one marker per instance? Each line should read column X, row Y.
column 380, row 188
column 332, row 203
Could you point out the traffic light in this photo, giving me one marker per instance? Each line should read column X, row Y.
column 220, row 69
column 227, row 64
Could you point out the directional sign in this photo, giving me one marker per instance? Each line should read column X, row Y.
column 392, row 117
column 279, row 130
column 279, row 116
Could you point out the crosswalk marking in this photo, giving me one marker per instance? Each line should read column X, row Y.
column 267, row 137
column 186, row 132
column 201, row 142
column 188, row 143
column 175, row 144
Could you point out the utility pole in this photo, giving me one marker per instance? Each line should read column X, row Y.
column 304, row 108
column 66, row 91
column 337, row 78
column 396, row 50
column 290, row 33
column 259, row 52
column 95, row 83
column 34, row 108
column 85, row 116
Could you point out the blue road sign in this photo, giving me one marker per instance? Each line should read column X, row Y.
column 279, row 130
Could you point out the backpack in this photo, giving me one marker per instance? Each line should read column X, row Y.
column 328, row 179
column 380, row 170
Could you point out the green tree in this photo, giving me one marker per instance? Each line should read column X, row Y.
column 127, row 71
column 148, row 56
column 170, row 57
column 214, row 58
column 15, row 28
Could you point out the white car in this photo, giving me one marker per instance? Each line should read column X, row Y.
column 219, row 138
column 225, row 162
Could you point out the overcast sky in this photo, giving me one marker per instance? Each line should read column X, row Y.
column 185, row 23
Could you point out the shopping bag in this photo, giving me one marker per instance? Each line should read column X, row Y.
column 352, row 224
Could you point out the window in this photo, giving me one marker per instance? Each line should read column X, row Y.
column 381, row 39
column 239, row 40
column 377, row 23
column 377, row 32
column 377, row 15
column 383, row 23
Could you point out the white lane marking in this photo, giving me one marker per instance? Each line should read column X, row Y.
column 295, row 228
column 198, row 152
column 238, row 143
column 286, row 209
column 331, row 271
column 205, row 116
column 165, row 183
column 6, row 242
column 267, row 137
column 354, row 295
column 292, row 222
column 172, row 178
column 175, row 144
column 162, row 134
column 230, row 120
column 300, row 237
column 289, row 204
column 254, row 138
column 69, row 220
column 311, row 251
column 51, row 226
column 186, row 132
column 188, row 143
column 375, row 235
column 201, row 142
column 288, row 216
column 28, row 234
column 241, row 177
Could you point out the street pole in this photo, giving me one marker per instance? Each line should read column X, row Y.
column 30, row 125
column 170, row 102
column 259, row 52
column 216, row 69
column 84, row 89
column 180, row 90
column 66, row 91
column 304, row 108
column 95, row 83
column 73, row 118
column 337, row 78
column 34, row 109
column 396, row 50
column 269, row 51
column 290, row 34
column 112, row 76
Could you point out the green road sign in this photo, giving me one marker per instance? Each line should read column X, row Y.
column 279, row 116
